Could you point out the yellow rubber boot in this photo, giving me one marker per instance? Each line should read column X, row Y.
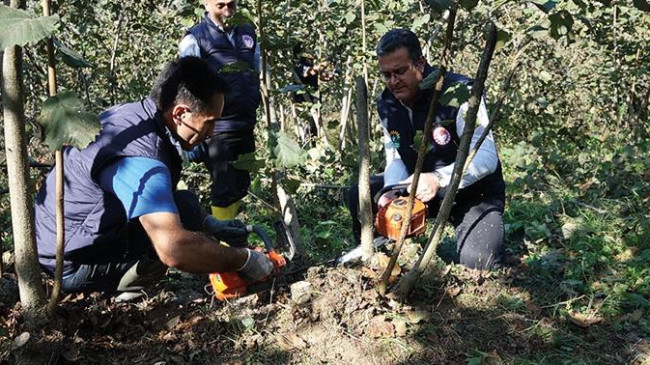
column 225, row 213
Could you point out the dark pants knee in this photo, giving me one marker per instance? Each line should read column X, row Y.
column 352, row 202
column 480, row 234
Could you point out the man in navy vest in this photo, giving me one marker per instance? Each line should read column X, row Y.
column 233, row 53
column 125, row 222
column 403, row 107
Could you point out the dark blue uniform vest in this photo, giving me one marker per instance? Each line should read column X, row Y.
column 243, row 98
column 445, row 139
column 94, row 217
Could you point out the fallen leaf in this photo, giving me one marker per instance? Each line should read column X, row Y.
column 582, row 320
column 379, row 328
column 291, row 341
column 172, row 322
column 20, row 341
column 453, row 291
column 400, row 327
column 492, row 358
column 416, row 317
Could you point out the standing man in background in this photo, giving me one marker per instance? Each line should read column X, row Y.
column 233, row 53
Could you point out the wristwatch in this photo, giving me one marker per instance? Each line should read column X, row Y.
column 439, row 177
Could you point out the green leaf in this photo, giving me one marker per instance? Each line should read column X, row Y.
column 18, row 28
column 291, row 88
column 248, row 162
column 502, row 38
column 643, row 5
column 419, row 22
column 70, row 57
column 561, row 24
column 239, row 66
column 350, row 17
column 429, row 82
column 545, row 76
column 418, row 140
column 66, row 122
column 291, row 185
column 544, row 5
column 287, row 152
column 455, row 95
column 468, row 4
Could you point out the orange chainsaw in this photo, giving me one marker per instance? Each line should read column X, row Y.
column 229, row 285
column 391, row 217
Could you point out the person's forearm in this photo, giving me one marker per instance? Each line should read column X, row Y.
column 486, row 160
column 192, row 252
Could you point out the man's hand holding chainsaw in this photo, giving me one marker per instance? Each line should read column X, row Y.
column 428, row 187
column 257, row 265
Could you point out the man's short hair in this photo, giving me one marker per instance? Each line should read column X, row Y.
column 187, row 80
column 397, row 38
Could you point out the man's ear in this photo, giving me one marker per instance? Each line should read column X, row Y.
column 420, row 64
column 178, row 113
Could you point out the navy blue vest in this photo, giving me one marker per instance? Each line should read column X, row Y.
column 445, row 141
column 94, row 217
column 243, row 98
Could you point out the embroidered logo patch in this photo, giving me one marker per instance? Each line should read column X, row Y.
column 395, row 139
column 441, row 136
column 247, row 41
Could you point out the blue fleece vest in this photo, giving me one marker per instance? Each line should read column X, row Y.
column 243, row 98
column 445, row 139
column 94, row 217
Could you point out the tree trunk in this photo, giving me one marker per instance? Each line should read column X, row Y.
column 405, row 285
column 365, row 200
column 32, row 294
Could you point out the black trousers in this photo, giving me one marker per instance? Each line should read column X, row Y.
column 478, row 223
column 229, row 184
column 101, row 268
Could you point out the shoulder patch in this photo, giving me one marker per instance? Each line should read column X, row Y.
column 441, row 136
column 247, row 41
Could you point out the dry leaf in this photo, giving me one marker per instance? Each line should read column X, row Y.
column 380, row 328
column 20, row 341
column 582, row 320
column 416, row 317
column 453, row 291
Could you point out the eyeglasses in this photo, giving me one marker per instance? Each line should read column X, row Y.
column 231, row 5
column 397, row 73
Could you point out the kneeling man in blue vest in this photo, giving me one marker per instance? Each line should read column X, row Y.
column 125, row 222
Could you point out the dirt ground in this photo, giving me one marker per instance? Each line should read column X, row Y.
column 455, row 316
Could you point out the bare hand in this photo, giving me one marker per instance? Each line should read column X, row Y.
column 428, row 186
column 386, row 198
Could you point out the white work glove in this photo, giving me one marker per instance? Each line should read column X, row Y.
column 256, row 267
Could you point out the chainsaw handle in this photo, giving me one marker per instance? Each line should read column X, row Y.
column 401, row 189
column 268, row 244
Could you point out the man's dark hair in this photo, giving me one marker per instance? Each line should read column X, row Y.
column 187, row 80
column 397, row 38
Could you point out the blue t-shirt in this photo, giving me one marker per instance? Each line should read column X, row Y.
column 142, row 184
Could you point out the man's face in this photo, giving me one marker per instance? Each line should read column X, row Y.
column 402, row 75
column 193, row 128
column 220, row 10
